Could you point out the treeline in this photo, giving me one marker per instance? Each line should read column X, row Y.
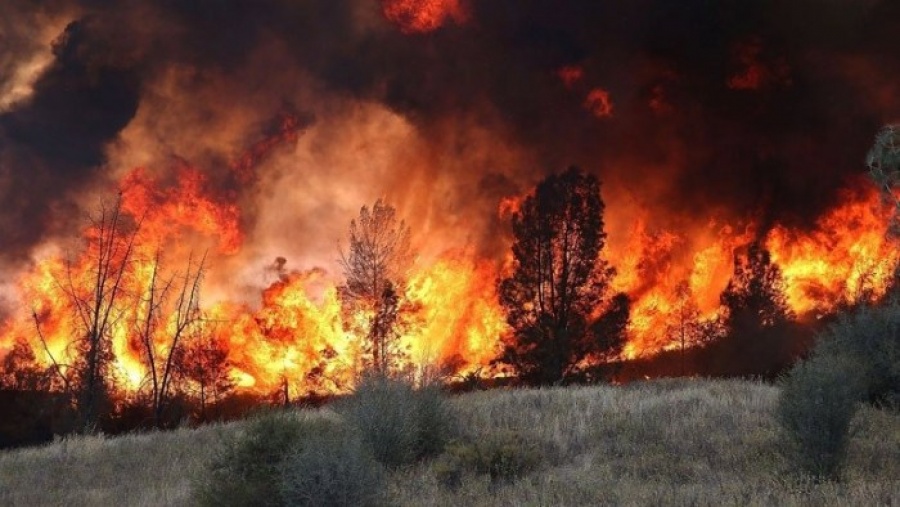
column 567, row 324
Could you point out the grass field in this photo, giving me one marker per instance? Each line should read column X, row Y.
column 674, row 442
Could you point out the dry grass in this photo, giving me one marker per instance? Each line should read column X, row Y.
column 686, row 442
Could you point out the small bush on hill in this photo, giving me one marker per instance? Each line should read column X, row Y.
column 816, row 407
column 399, row 423
column 247, row 470
column 332, row 469
column 502, row 455
column 871, row 337
column 856, row 359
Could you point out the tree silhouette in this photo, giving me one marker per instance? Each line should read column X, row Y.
column 758, row 321
column 684, row 326
column 95, row 295
column 755, row 294
column 558, row 281
column 375, row 269
column 167, row 310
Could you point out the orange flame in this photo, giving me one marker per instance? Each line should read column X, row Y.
column 299, row 334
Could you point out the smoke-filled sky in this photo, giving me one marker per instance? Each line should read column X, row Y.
column 299, row 112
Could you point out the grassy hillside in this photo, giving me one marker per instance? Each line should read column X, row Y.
column 663, row 442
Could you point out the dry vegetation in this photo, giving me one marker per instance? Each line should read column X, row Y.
column 674, row 442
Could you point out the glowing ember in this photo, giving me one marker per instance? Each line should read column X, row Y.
column 599, row 103
column 421, row 16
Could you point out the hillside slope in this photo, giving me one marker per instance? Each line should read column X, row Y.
column 673, row 442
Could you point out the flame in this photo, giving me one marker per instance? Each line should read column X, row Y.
column 299, row 334
column 422, row 16
column 846, row 256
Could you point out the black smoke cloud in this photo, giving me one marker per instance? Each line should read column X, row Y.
column 782, row 148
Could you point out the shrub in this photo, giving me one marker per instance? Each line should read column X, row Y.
column 247, row 470
column 502, row 455
column 871, row 337
column 816, row 406
column 332, row 468
column 855, row 359
column 399, row 423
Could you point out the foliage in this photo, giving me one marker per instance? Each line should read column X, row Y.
column 856, row 359
column 883, row 162
column 247, row 470
column 755, row 294
column 400, row 423
column 684, row 327
column 870, row 338
column 375, row 269
column 758, row 330
column 19, row 370
column 503, row 455
column 558, row 280
column 331, row 467
column 817, row 404
column 203, row 362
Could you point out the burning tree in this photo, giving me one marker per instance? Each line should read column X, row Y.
column 757, row 316
column 684, row 326
column 94, row 294
column 162, row 324
column 203, row 362
column 375, row 268
column 559, row 280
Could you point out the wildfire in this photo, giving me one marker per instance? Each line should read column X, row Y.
column 298, row 334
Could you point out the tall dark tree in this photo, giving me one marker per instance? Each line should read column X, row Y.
column 375, row 268
column 559, row 280
column 758, row 326
column 755, row 294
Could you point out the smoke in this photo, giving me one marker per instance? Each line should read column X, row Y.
column 733, row 109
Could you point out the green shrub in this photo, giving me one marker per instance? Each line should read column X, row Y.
column 502, row 455
column 817, row 404
column 855, row 359
column 246, row 471
column 871, row 337
column 399, row 423
column 333, row 468
column 437, row 422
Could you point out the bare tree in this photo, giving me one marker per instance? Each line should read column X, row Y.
column 94, row 293
column 375, row 269
column 161, row 325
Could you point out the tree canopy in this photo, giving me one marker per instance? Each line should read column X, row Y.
column 559, row 280
column 375, row 268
